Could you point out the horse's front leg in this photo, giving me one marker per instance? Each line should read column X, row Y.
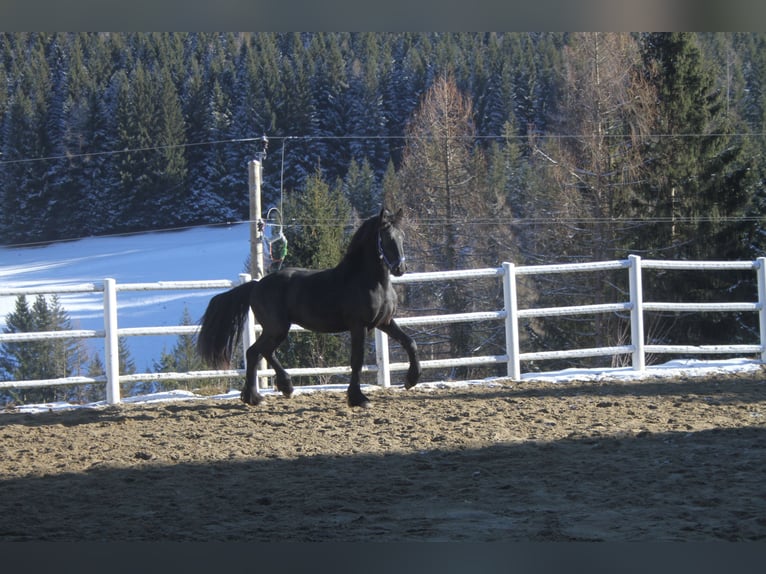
column 354, row 393
column 250, row 394
column 408, row 344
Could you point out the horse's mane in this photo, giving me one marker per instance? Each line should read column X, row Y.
column 361, row 235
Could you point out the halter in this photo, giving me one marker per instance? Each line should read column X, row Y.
column 382, row 254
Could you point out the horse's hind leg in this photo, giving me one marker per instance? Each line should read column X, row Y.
column 283, row 381
column 250, row 394
column 264, row 346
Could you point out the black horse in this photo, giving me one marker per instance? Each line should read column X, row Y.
column 354, row 296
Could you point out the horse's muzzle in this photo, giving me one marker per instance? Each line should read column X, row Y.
column 399, row 269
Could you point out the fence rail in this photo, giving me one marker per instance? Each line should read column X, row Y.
column 509, row 315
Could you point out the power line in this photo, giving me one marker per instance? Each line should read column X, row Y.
column 126, row 150
column 553, row 219
column 309, row 138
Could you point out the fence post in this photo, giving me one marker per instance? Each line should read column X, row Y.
column 249, row 336
column 381, row 358
column 760, row 271
column 636, row 313
column 511, row 321
column 111, row 343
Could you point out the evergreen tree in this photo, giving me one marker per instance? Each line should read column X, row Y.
column 361, row 190
column 391, row 187
column 328, row 85
column 26, row 190
column 126, row 362
column 368, row 69
column 182, row 358
column 294, row 115
column 40, row 360
column 317, row 237
column 172, row 205
column 17, row 359
column 136, row 115
column 493, row 87
column 704, row 177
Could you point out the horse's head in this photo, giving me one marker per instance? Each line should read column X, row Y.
column 391, row 241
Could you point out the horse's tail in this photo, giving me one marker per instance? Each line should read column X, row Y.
column 222, row 324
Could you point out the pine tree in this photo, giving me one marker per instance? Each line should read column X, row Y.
column 16, row 359
column 361, row 189
column 701, row 174
column 26, row 191
column 391, row 188
column 182, row 358
column 493, row 88
column 318, row 234
column 704, row 177
column 368, row 70
column 329, row 106
column 126, row 362
column 40, row 360
column 172, row 205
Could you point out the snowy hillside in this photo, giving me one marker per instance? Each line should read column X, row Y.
column 196, row 254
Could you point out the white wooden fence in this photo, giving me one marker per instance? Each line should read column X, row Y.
column 509, row 315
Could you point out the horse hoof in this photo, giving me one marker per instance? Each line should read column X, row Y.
column 286, row 388
column 252, row 399
column 361, row 402
column 411, row 381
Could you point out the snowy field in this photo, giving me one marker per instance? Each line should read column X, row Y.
column 204, row 253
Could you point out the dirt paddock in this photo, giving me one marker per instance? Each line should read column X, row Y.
column 681, row 459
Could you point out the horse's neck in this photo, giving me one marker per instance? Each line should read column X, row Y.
column 365, row 263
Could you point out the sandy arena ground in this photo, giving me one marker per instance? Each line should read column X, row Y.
column 669, row 460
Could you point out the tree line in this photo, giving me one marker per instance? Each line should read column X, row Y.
column 529, row 147
column 58, row 358
column 113, row 132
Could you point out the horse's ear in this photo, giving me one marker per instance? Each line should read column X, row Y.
column 385, row 217
column 398, row 216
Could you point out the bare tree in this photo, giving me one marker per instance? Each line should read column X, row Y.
column 596, row 164
column 599, row 159
column 445, row 185
column 438, row 179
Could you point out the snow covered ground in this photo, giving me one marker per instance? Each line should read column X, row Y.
column 671, row 369
column 204, row 253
